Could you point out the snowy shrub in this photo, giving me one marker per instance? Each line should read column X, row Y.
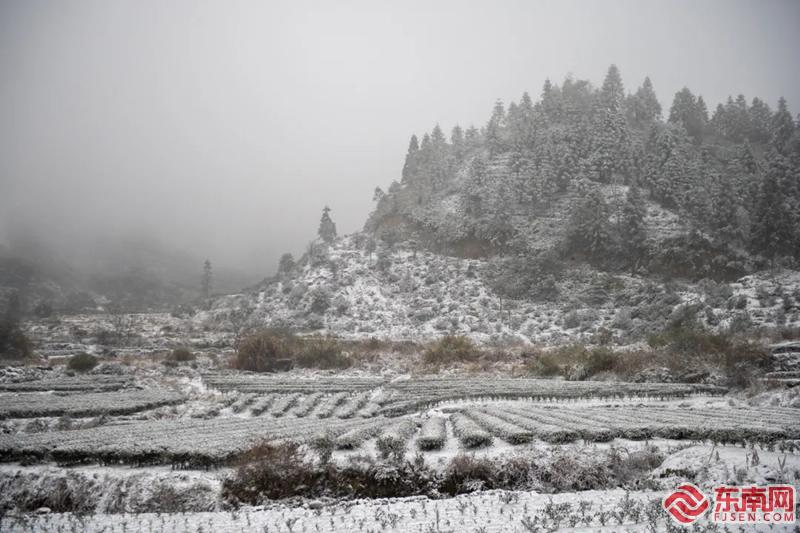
column 521, row 276
column 323, row 445
column 341, row 304
column 384, row 261
column 270, row 471
column 82, row 362
column 407, row 283
column 687, row 345
column 737, row 302
column 318, row 254
column 566, row 472
column 297, row 293
column 320, row 300
column 423, row 315
column 716, row 294
column 14, row 344
column 622, row 320
column 314, row 322
column 571, row 320
column 740, row 323
column 391, row 443
column 181, row 355
column 467, row 473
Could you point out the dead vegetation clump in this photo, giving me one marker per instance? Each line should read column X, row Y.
column 682, row 352
column 270, row 350
column 451, row 349
column 277, row 471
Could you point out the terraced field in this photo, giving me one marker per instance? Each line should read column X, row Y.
column 181, row 442
column 423, row 414
column 70, row 384
column 32, row 404
column 556, row 425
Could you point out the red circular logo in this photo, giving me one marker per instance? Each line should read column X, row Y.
column 686, row 504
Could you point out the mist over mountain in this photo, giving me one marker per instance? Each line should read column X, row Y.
column 212, row 140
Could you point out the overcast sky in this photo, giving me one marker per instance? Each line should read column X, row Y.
column 224, row 127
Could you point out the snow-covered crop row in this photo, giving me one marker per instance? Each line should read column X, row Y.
column 433, row 434
column 354, row 438
column 101, row 382
column 606, row 423
column 542, row 430
column 33, row 404
column 308, row 404
column 284, row 403
column 583, row 424
column 244, row 401
column 508, row 431
column 330, row 403
column 177, row 441
column 353, row 405
column 267, row 384
column 262, row 404
column 398, row 433
column 470, row 434
column 416, row 394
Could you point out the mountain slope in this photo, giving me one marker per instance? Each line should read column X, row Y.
column 401, row 292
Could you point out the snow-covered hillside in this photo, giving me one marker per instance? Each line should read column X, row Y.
column 401, row 292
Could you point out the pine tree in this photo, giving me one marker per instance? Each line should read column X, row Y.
column 457, row 137
column 782, row 127
column 775, row 224
column 426, row 142
column 437, row 137
column 719, row 121
column 633, row 231
column 286, row 263
column 644, row 104
column 737, row 119
column 327, row 229
column 667, row 166
column 612, row 92
column 526, row 129
column 687, row 112
column 611, row 150
column 726, row 213
column 472, row 138
column 702, row 111
column 206, row 280
column 551, row 102
column 410, row 166
column 494, row 129
column 759, row 118
column 588, row 228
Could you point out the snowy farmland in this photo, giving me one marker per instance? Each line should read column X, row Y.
column 186, row 434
